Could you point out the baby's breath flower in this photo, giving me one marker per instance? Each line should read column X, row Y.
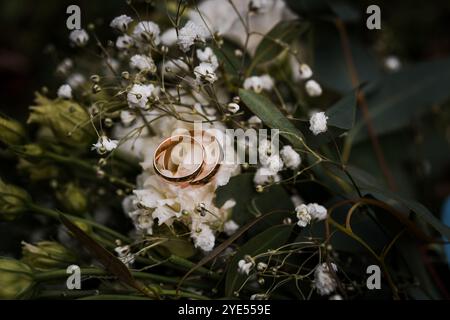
column 317, row 211
column 318, row 123
column 121, row 22
column 205, row 72
column 127, row 117
column 124, row 42
column 323, row 279
column 274, row 163
column 124, row 254
column 245, row 267
column 143, row 63
column 305, row 213
column 233, row 107
column 303, row 72
column 290, row 157
column 138, row 95
column 304, row 218
column 104, row 144
column 79, row 37
column 147, row 31
column 313, row 89
column 207, row 55
column 190, row 33
column 203, row 237
column 392, row 63
column 65, row 92
column 169, row 37
column 230, row 227
column 264, row 176
column 258, row 84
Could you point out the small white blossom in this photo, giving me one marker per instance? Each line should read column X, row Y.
column 76, row 80
column 254, row 121
column 205, row 71
column 317, row 211
column 261, row 266
column 392, row 63
column 230, row 227
column 245, row 267
column 264, row 176
column 258, row 84
column 203, row 238
column 303, row 72
column 233, row 107
column 147, row 31
column 127, row 117
column 304, row 218
column 138, row 95
column 65, row 92
column 121, row 22
column 290, row 157
column 313, row 89
column 143, row 63
column 318, row 123
column 274, row 163
column 169, row 37
column 79, row 37
column 190, row 33
column 207, row 55
column 124, row 42
column 124, row 254
column 104, row 144
column 324, row 281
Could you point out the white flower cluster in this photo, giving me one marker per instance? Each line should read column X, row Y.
column 258, row 84
column 324, row 281
column 318, row 123
column 124, row 254
column 305, row 213
column 272, row 163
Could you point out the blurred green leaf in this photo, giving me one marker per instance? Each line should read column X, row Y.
column 270, row 239
column 342, row 113
column 271, row 116
column 396, row 99
column 275, row 41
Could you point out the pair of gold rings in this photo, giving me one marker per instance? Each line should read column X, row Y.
column 188, row 159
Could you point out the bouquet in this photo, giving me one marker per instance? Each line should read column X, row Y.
column 222, row 149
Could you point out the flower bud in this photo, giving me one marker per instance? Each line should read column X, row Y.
column 72, row 198
column 16, row 279
column 13, row 201
column 46, row 255
column 11, row 131
column 68, row 120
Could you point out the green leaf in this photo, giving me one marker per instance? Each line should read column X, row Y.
column 342, row 113
column 271, row 116
column 275, row 41
column 106, row 258
column 231, row 63
column 369, row 185
column 272, row 238
column 396, row 99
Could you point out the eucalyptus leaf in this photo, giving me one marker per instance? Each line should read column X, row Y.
column 275, row 41
column 270, row 239
column 396, row 99
column 271, row 116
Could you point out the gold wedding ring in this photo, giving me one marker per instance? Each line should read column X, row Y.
column 200, row 149
column 173, row 153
